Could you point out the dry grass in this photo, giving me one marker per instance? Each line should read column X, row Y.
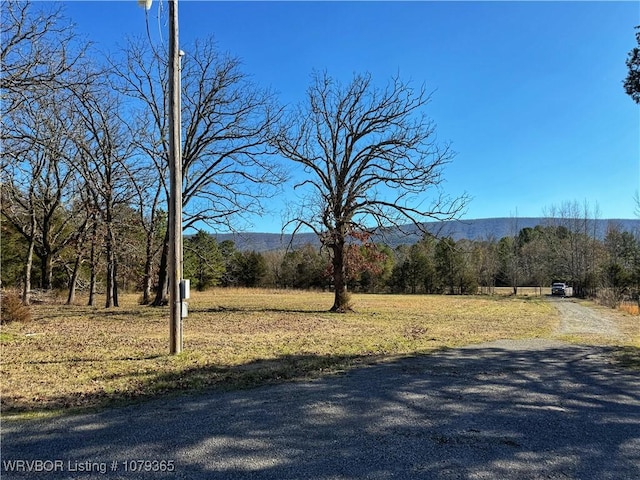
column 628, row 322
column 629, row 325
column 78, row 357
column 631, row 309
column 12, row 309
column 523, row 291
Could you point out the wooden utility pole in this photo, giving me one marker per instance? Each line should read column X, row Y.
column 175, row 189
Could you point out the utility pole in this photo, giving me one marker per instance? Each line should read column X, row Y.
column 175, row 188
column 178, row 288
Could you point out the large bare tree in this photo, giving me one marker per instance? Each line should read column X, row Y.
column 227, row 122
column 370, row 161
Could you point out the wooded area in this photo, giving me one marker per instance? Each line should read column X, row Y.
column 85, row 154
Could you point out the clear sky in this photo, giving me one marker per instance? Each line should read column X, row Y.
column 529, row 93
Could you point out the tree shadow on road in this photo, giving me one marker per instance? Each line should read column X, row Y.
column 538, row 411
column 143, row 386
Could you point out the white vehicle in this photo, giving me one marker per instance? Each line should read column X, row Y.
column 561, row 290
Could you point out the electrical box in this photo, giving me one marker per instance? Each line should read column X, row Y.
column 184, row 310
column 185, row 289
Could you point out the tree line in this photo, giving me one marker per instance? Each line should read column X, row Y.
column 564, row 249
column 84, row 176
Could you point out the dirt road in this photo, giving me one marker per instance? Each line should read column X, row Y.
column 576, row 319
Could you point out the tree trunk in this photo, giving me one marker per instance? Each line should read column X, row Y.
column 46, row 266
column 93, row 266
column 148, row 265
column 111, row 268
column 116, row 303
column 162, row 294
column 146, row 284
column 108, row 303
column 72, row 281
column 341, row 302
column 26, row 290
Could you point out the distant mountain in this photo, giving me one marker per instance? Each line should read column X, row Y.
column 481, row 229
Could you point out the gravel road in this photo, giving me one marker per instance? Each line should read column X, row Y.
column 578, row 319
column 504, row 410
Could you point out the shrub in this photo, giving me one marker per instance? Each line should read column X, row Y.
column 630, row 308
column 12, row 309
column 609, row 297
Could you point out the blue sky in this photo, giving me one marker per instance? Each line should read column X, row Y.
column 529, row 93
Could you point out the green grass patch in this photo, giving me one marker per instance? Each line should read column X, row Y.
column 7, row 337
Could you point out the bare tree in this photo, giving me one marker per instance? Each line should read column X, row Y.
column 227, row 167
column 38, row 48
column 41, row 184
column 370, row 159
column 39, row 55
column 488, row 265
column 228, row 120
column 148, row 192
column 105, row 154
column 148, row 181
column 509, row 249
column 141, row 76
column 18, row 207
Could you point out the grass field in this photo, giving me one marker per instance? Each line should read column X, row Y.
column 70, row 357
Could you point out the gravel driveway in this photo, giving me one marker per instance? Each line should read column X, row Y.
column 503, row 410
column 578, row 319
